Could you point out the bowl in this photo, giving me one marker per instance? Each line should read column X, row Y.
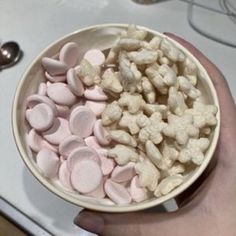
column 102, row 37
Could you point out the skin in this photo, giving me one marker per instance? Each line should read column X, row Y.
column 211, row 209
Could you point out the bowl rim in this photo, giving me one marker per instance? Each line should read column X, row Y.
column 96, row 206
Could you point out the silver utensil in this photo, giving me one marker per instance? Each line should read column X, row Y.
column 10, row 54
column 146, row 1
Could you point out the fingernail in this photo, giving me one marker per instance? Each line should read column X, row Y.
column 90, row 221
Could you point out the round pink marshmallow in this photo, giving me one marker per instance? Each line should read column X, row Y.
column 100, row 133
column 48, row 83
column 117, row 193
column 99, row 191
column 34, row 140
column 54, row 67
column 55, row 78
column 48, row 162
column 95, row 57
column 46, row 144
column 62, row 159
column 123, row 173
column 137, row 192
column 96, row 107
column 42, row 89
column 69, row 54
column 80, row 102
column 81, row 121
column 35, row 99
column 92, row 142
column 106, row 202
column 82, row 153
column 63, row 111
column 74, row 83
column 69, row 144
column 126, row 184
column 64, row 176
column 86, row 176
column 95, row 93
column 61, row 94
column 107, row 164
column 40, row 117
column 59, row 131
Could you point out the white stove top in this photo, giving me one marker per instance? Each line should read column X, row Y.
column 35, row 24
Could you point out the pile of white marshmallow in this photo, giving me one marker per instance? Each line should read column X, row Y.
column 123, row 127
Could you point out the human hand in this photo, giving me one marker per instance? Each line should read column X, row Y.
column 213, row 209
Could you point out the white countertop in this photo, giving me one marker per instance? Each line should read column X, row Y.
column 35, row 24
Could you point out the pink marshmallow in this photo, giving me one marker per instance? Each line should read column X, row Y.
column 95, row 57
column 137, row 192
column 81, row 121
column 61, row 94
column 63, row 111
column 82, row 153
column 35, row 99
column 48, row 162
column 117, row 193
column 34, row 140
column 69, row 144
column 67, row 124
column 55, row 78
column 95, row 93
column 92, row 142
column 80, row 102
column 47, row 145
column 59, row 131
column 106, row 202
column 100, row 133
column 48, row 83
column 96, row 107
column 86, row 176
column 40, row 117
column 107, row 164
column 69, row 54
column 123, row 173
column 99, row 191
column 74, row 83
column 54, row 67
column 126, row 184
column 62, row 159
column 64, row 176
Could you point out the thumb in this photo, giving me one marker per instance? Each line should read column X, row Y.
column 141, row 223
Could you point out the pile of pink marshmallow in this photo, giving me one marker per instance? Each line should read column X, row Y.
column 67, row 135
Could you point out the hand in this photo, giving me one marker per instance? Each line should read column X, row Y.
column 212, row 211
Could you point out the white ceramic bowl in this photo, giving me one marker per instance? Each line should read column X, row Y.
column 102, row 37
